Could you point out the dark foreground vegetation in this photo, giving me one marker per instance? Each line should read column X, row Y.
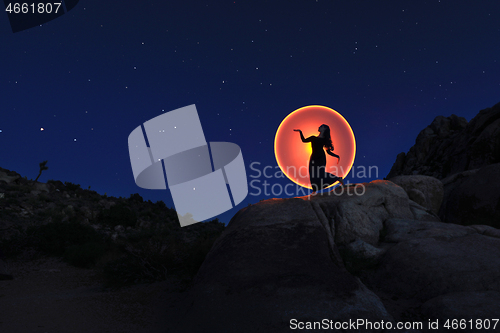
column 128, row 240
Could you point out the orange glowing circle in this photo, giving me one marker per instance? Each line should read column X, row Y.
column 293, row 155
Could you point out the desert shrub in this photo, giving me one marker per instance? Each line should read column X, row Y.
column 72, row 187
column 147, row 257
column 153, row 255
column 160, row 204
column 164, row 215
column 197, row 252
column 118, row 214
column 135, row 198
column 91, row 195
column 15, row 244
column 139, row 266
column 146, row 214
column 77, row 244
column 55, row 237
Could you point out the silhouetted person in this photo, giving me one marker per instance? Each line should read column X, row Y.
column 317, row 163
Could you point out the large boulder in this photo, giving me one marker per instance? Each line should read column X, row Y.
column 432, row 259
column 422, row 214
column 276, row 261
column 358, row 212
column 401, row 230
column 473, row 197
column 450, row 145
column 424, row 190
column 477, row 307
column 284, row 259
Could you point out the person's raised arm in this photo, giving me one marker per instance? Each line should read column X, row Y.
column 309, row 139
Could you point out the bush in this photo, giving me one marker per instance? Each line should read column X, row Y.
column 56, row 238
column 148, row 256
column 118, row 214
column 136, row 197
column 77, row 244
column 72, row 187
column 16, row 244
column 197, row 252
column 153, row 255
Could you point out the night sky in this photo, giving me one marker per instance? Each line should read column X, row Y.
column 91, row 76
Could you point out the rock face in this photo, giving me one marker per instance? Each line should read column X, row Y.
column 424, row 190
column 451, row 145
column 362, row 216
column 274, row 262
column 468, row 305
column 432, row 259
column 340, row 256
column 473, row 197
column 463, row 156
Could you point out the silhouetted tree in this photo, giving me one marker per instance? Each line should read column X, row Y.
column 42, row 167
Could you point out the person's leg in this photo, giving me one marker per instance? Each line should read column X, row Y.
column 330, row 178
column 314, row 175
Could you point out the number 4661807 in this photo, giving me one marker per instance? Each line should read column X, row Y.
column 39, row 8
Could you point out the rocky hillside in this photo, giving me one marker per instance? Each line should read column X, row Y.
column 132, row 240
column 466, row 158
column 450, row 145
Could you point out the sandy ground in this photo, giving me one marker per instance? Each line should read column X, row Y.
column 50, row 296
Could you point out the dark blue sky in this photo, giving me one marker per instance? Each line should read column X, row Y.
column 91, row 76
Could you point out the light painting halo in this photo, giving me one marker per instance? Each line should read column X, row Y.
column 293, row 155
